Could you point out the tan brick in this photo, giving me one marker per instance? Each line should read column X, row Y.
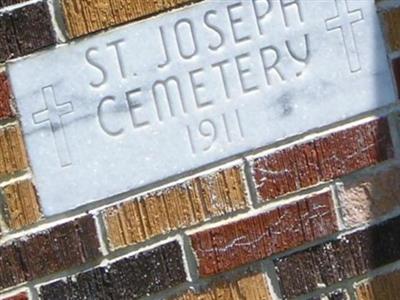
column 382, row 287
column 12, row 150
column 370, row 197
column 253, row 287
column 86, row 16
column 20, row 204
column 179, row 206
column 392, row 24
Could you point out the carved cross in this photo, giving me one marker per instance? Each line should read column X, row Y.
column 53, row 114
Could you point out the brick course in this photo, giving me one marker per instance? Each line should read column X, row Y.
column 322, row 159
column 329, row 263
column 5, row 98
column 25, row 30
column 83, row 17
column 363, row 200
column 53, row 250
column 176, row 207
column 12, row 151
column 222, row 249
column 229, row 246
column 20, row 205
column 129, row 278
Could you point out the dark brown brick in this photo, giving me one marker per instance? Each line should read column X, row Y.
column 352, row 255
column 229, row 246
column 323, row 159
column 4, row 3
column 130, row 278
column 53, row 250
column 25, row 30
column 396, row 71
column 20, row 296
column 5, row 98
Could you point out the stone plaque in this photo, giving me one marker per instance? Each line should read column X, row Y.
column 150, row 100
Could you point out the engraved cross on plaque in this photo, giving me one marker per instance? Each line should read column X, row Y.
column 53, row 114
column 344, row 21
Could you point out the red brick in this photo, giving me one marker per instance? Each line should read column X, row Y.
column 25, row 30
column 5, row 98
column 53, row 250
column 229, row 246
column 349, row 256
column 20, row 296
column 323, row 159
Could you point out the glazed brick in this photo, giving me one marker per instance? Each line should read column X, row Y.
column 4, row 3
column 392, row 24
column 369, row 197
column 176, row 207
column 382, row 287
column 322, row 159
column 253, row 287
column 396, row 72
column 83, row 17
column 229, row 246
column 12, row 151
column 129, row 278
column 20, row 204
column 20, row 296
column 50, row 251
column 5, row 98
column 25, row 30
column 351, row 255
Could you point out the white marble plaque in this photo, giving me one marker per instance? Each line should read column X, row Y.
column 126, row 108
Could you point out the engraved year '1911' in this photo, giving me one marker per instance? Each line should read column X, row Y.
column 208, row 132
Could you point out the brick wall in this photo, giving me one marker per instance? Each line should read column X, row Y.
column 314, row 217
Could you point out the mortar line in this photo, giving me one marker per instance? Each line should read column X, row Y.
column 174, row 179
column 12, row 7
